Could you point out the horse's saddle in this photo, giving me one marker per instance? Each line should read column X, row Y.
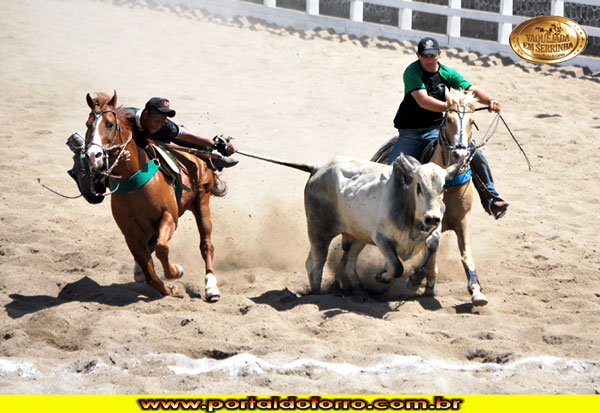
column 427, row 153
column 169, row 166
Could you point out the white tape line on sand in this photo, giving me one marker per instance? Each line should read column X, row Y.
column 390, row 367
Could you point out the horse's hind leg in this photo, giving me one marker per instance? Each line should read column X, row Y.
column 166, row 228
column 204, row 223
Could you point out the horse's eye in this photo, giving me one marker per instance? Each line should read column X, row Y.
column 109, row 125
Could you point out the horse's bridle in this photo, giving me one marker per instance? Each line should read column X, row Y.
column 461, row 115
column 105, row 169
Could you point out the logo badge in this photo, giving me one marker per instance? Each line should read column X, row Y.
column 548, row 39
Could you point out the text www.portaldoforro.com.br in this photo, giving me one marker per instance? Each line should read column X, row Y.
column 291, row 403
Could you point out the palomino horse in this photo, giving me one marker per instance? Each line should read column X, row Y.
column 147, row 213
column 453, row 147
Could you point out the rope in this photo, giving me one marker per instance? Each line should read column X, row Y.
column 56, row 192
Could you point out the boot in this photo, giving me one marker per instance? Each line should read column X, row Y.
column 492, row 204
column 224, row 162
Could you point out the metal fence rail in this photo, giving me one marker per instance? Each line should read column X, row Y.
column 310, row 18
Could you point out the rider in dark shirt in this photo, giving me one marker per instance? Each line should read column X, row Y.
column 152, row 123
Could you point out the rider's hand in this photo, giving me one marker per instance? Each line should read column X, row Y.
column 230, row 149
column 223, row 145
column 494, row 106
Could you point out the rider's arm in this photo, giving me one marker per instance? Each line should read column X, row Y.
column 198, row 140
column 427, row 102
column 194, row 139
column 485, row 99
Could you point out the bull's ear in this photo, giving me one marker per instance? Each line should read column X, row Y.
column 404, row 168
column 452, row 170
column 90, row 101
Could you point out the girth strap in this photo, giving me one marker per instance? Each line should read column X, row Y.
column 137, row 180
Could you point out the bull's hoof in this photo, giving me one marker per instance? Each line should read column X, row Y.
column 383, row 277
column 360, row 293
column 179, row 273
column 411, row 286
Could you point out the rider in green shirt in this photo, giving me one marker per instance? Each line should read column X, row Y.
column 421, row 112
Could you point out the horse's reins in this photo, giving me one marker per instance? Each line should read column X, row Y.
column 488, row 135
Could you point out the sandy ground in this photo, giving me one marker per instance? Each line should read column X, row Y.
column 73, row 320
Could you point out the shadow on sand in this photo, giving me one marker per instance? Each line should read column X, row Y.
column 84, row 290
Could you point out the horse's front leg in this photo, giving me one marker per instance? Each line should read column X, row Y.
column 427, row 267
column 463, row 235
column 143, row 259
column 166, row 228
column 201, row 212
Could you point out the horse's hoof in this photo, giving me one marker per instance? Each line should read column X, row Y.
column 479, row 300
column 429, row 291
column 179, row 273
column 212, row 294
column 138, row 274
column 175, row 292
column 211, row 291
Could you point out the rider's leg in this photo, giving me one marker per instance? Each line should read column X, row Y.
column 484, row 183
column 413, row 141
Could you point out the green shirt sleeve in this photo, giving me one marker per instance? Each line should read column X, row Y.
column 454, row 79
column 412, row 77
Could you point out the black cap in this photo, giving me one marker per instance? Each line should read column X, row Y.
column 428, row 45
column 160, row 105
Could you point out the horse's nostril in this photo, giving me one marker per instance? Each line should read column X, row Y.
column 432, row 220
column 98, row 154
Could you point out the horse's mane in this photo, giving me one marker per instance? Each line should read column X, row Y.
column 462, row 97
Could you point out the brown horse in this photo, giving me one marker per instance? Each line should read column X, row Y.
column 453, row 147
column 147, row 213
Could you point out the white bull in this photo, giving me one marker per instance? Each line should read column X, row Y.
column 398, row 208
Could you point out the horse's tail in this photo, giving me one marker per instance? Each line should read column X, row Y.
column 301, row 166
column 220, row 189
column 383, row 154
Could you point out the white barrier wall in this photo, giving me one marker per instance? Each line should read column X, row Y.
column 310, row 19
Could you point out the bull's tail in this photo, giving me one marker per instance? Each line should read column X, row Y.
column 382, row 155
column 301, row 166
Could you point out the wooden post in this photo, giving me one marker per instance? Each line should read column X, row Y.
column 269, row 3
column 312, row 7
column 356, row 11
column 557, row 8
column 453, row 26
column 405, row 18
column 504, row 29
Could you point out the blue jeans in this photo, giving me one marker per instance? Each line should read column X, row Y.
column 413, row 141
